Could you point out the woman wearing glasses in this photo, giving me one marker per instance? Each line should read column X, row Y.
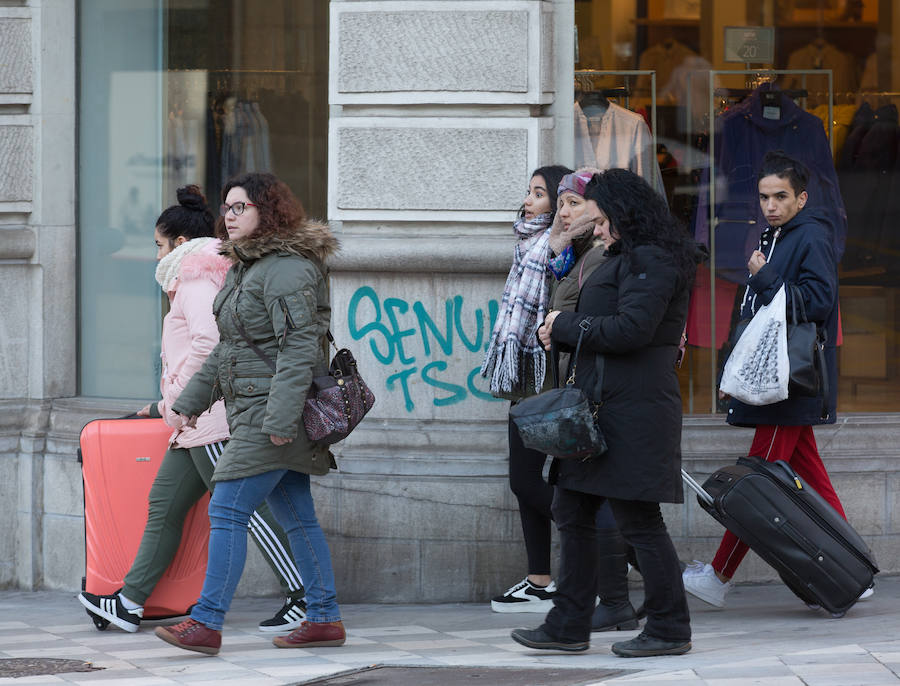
column 190, row 272
column 273, row 308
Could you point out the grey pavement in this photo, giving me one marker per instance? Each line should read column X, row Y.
column 764, row 637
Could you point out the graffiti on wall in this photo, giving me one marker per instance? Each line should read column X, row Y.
column 423, row 343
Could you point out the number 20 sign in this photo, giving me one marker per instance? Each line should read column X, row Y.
column 750, row 44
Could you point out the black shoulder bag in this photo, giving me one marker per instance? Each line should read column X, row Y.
column 806, row 352
column 561, row 422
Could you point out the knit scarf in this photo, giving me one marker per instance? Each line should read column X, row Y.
column 168, row 267
column 514, row 346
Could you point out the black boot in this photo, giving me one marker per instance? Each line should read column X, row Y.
column 615, row 611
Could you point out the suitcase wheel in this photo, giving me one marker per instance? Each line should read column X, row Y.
column 838, row 615
column 98, row 621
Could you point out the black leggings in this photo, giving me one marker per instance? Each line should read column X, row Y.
column 535, row 496
column 526, row 479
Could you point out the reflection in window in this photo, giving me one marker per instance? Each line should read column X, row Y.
column 176, row 92
column 846, row 130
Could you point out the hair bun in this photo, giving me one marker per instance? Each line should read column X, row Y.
column 192, row 198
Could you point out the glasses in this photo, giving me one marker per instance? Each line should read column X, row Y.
column 237, row 209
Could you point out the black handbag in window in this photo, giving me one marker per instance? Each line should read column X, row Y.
column 561, row 422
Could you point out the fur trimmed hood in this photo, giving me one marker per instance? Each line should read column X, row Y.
column 205, row 264
column 310, row 239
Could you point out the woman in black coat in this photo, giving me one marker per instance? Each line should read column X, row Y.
column 632, row 309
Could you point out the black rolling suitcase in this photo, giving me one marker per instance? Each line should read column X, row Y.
column 818, row 555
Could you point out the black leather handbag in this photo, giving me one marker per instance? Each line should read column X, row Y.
column 806, row 351
column 561, row 422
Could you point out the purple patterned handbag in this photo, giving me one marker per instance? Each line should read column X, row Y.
column 338, row 401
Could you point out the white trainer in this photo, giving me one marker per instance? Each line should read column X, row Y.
column 868, row 593
column 706, row 585
column 525, row 597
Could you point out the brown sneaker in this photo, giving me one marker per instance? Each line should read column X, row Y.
column 192, row 635
column 313, row 635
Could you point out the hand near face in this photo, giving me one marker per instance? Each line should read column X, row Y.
column 561, row 236
column 547, row 328
column 757, row 261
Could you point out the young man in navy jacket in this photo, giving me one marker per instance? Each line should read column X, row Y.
column 795, row 249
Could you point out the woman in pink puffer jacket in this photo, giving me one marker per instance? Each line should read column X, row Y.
column 191, row 272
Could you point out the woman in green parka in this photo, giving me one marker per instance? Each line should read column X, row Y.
column 275, row 305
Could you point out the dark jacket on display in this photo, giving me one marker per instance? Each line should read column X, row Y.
column 803, row 256
column 277, row 291
column 744, row 134
column 638, row 304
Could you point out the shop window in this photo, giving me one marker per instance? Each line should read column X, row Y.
column 655, row 68
column 174, row 92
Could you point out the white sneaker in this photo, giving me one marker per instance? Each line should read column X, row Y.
column 706, row 585
column 525, row 597
column 868, row 593
column 695, row 567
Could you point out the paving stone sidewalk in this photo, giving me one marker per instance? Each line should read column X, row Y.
column 765, row 637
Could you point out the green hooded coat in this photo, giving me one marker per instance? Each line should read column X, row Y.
column 277, row 289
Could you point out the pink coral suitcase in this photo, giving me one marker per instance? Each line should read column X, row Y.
column 120, row 458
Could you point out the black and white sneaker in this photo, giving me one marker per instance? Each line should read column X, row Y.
column 288, row 618
column 110, row 607
column 525, row 597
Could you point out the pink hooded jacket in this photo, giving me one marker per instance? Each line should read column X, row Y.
column 189, row 334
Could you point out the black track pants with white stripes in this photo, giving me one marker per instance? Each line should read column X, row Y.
column 183, row 478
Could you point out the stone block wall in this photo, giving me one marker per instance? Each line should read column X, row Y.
column 439, row 114
column 37, row 268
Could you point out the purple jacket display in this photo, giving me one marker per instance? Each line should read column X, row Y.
column 743, row 136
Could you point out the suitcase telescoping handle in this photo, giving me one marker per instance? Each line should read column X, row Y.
column 697, row 488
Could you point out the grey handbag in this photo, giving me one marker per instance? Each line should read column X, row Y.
column 561, row 422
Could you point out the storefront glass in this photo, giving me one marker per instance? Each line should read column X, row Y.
column 664, row 87
column 176, row 92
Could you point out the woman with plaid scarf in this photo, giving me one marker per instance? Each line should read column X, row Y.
column 552, row 256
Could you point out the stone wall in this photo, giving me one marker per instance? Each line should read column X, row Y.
column 37, row 263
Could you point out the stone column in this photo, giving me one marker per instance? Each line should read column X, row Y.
column 438, row 115
column 37, row 261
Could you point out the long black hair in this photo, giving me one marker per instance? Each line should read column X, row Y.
column 552, row 174
column 190, row 218
column 638, row 215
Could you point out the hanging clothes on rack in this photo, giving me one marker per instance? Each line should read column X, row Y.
column 822, row 55
column 663, row 58
column 613, row 137
column 842, row 118
column 744, row 134
column 870, row 181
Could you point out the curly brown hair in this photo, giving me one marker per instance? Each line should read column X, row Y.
column 280, row 212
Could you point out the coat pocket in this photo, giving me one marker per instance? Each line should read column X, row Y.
column 249, row 387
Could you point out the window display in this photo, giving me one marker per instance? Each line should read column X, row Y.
column 177, row 92
column 827, row 99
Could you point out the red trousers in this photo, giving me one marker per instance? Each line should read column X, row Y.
column 797, row 446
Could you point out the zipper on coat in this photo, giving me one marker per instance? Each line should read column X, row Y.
column 288, row 323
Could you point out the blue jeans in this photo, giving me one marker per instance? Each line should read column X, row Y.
column 288, row 496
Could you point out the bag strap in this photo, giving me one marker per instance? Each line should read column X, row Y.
column 584, row 325
column 554, row 363
column 255, row 348
column 797, row 299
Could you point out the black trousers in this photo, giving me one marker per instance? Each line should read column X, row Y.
column 535, row 495
column 643, row 528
